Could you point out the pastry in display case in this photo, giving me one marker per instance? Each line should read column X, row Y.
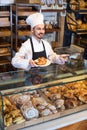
column 28, row 106
column 41, row 94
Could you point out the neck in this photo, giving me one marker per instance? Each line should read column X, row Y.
column 36, row 38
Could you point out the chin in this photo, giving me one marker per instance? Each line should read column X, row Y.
column 40, row 37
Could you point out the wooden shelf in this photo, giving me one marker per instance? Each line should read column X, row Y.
column 20, row 12
column 5, row 33
column 25, row 9
column 53, row 10
column 79, row 32
column 4, row 62
column 5, row 54
column 5, row 24
column 25, row 13
column 24, row 33
column 4, row 13
column 81, row 11
column 52, row 30
column 5, row 44
column 22, row 24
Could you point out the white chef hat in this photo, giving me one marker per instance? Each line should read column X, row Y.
column 35, row 19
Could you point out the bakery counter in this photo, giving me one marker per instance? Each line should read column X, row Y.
column 30, row 107
column 43, row 97
column 60, row 122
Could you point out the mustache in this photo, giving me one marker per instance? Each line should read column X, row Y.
column 41, row 33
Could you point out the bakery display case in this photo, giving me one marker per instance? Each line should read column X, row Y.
column 41, row 95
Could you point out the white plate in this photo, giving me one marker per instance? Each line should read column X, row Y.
column 47, row 63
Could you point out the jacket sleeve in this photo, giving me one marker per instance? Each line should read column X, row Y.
column 21, row 58
column 52, row 56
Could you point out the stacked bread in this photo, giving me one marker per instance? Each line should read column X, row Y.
column 12, row 114
column 54, row 94
column 74, row 24
column 22, row 21
column 23, row 102
column 82, row 4
column 32, row 105
column 4, row 50
column 77, row 91
column 75, row 5
column 45, row 102
column 71, row 21
column 44, row 107
column 48, row 25
column 68, row 96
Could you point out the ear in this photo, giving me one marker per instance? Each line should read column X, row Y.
column 31, row 29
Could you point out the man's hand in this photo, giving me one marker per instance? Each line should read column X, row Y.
column 32, row 63
column 63, row 58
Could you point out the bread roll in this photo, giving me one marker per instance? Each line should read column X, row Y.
column 83, row 26
column 29, row 112
column 18, row 119
column 71, row 103
column 46, row 112
column 73, row 5
column 82, row 4
column 39, row 101
column 59, row 103
column 3, row 50
column 79, row 23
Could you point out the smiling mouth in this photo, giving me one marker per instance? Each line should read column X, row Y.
column 41, row 34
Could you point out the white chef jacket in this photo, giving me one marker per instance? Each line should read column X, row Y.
column 22, row 58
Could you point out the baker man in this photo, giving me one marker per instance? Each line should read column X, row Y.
column 35, row 46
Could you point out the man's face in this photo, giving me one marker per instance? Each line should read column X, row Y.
column 38, row 31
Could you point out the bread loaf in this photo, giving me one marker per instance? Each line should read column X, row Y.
column 3, row 50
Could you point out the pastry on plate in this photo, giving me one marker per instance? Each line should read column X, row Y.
column 41, row 61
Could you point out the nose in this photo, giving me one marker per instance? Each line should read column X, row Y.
column 42, row 30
